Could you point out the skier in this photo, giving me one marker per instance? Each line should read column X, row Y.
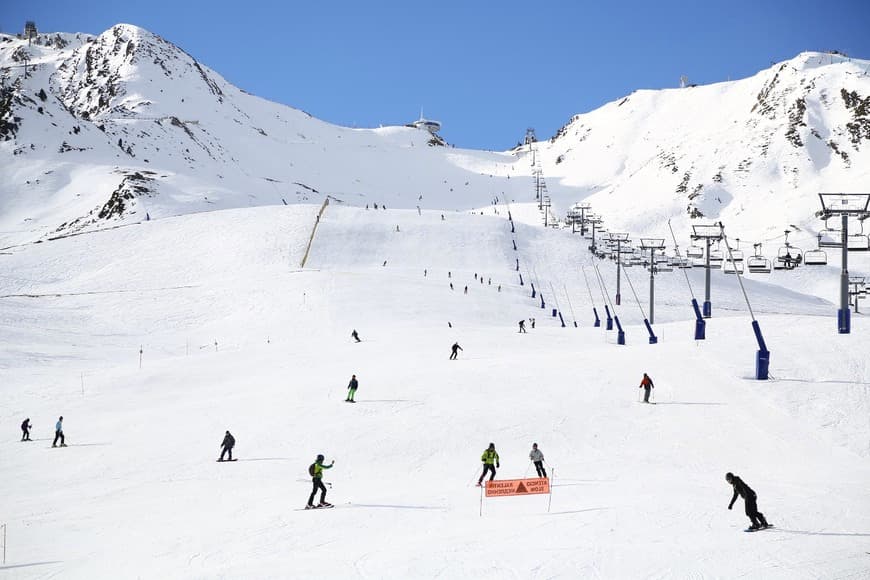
column 646, row 384
column 490, row 462
column 454, row 351
column 522, row 326
column 227, row 446
column 451, row 285
column 532, row 321
column 316, row 472
column 466, row 289
column 385, row 263
column 355, row 335
column 25, row 430
column 538, row 459
column 749, row 499
column 351, row 389
column 58, row 433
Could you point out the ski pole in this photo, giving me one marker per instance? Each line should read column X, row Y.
column 526, row 474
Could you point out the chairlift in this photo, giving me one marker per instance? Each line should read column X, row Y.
column 816, row 257
column 695, row 252
column 788, row 256
column 732, row 267
column 716, row 258
column 829, row 238
column 858, row 243
column 758, row 264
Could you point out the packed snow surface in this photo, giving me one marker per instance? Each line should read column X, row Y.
column 235, row 335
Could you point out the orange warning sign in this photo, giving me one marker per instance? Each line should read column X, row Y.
column 503, row 487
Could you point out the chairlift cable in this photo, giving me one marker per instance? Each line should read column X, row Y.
column 677, row 251
column 636, row 299
column 739, row 276
column 588, row 289
column 570, row 306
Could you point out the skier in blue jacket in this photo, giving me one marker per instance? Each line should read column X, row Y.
column 58, row 433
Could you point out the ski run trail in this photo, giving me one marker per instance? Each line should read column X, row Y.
column 234, row 335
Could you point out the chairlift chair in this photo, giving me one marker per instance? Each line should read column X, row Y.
column 758, row 264
column 858, row 243
column 695, row 252
column 829, row 238
column 816, row 257
column 732, row 267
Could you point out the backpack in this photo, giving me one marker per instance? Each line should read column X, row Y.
column 311, row 470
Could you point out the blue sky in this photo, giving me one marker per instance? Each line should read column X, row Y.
column 486, row 70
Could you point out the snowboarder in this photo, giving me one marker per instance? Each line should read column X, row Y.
column 454, row 351
column 490, row 462
column 351, row 389
column 425, row 272
column 25, row 430
column 522, row 326
column 749, row 499
column 646, row 384
column 538, row 459
column 532, row 322
column 355, row 335
column 466, row 289
column 385, row 263
column 58, row 433
column 451, row 285
column 227, row 446
column 315, row 470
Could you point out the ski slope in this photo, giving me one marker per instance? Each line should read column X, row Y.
column 236, row 335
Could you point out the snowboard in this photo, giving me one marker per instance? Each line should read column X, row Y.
column 225, row 460
column 317, row 507
column 750, row 530
column 346, row 401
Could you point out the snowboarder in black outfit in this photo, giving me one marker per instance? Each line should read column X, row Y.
column 227, row 446
column 355, row 335
column 351, row 389
column 58, row 433
column 749, row 499
column 522, row 326
column 538, row 459
column 25, row 430
column 454, row 351
column 316, row 473
column 490, row 462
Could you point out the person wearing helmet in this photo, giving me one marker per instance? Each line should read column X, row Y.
column 749, row 499
column 490, row 462
column 316, row 472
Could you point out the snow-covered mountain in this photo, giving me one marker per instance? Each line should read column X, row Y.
column 152, row 340
column 753, row 153
column 113, row 127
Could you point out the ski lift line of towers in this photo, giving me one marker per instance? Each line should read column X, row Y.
column 705, row 251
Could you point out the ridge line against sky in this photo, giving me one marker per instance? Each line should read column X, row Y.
column 486, row 71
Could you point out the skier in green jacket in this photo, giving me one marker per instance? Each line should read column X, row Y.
column 490, row 462
column 316, row 472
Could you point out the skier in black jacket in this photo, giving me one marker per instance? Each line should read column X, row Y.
column 749, row 499
column 25, row 430
column 227, row 446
